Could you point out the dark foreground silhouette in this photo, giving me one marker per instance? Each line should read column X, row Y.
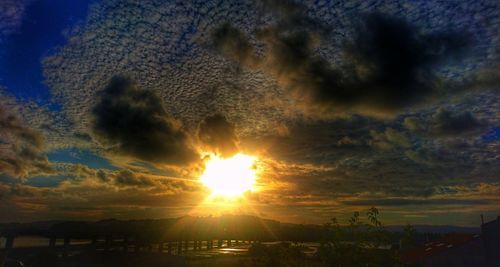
column 248, row 241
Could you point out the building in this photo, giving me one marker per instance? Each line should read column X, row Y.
column 459, row 250
column 491, row 242
column 452, row 250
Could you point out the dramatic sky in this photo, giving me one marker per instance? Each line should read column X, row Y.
column 108, row 108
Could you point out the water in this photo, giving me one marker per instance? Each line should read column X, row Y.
column 31, row 242
column 240, row 249
column 38, row 241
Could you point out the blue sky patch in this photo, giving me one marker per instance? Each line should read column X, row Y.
column 77, row 156
column 41, row 30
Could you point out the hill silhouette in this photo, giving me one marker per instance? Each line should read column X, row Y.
column 236, row 227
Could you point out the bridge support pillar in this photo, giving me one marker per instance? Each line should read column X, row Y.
column 66, row 246
column 94, row 242
column 125, row 243
column 179, row 247
column 107, row 243
column 9, row 242
column 52, row 242
column 136, row 245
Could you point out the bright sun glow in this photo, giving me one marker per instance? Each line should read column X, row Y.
column 229, row 176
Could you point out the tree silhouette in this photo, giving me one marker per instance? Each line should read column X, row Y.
column 357, row 244
column 409, row 236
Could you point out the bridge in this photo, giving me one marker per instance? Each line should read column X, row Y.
column 173, row 236
column 124, row 243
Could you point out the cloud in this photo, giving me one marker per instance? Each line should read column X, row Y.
column 72, row 199
column 419, row 202
column 414, row 124
column 80, row 171
column 165, row 53
column 83, row 136
column 447, row 123
column 21, row 148
column 394, row 61
column 377, row 157
column 11, row 16
column 315, row 142
column 389, row 66
column 102, row 176
column 218, row 135
column 389, row 139
column 12, row 126
column 231, row 41
column 133, row 121
column 193, row 81
column 54, row 126
column 128, row 178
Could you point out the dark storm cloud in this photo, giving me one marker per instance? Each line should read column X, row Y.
column 218, row 135
column 134, row 122
column 21, row 148
column 394, row 61
column 389, row 64
column 232, row 42
column 445, row 122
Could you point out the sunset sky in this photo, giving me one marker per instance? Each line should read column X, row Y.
column 114, row 109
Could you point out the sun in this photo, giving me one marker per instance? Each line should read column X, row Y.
column 229, row 177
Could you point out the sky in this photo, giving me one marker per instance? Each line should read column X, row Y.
column 112, row 109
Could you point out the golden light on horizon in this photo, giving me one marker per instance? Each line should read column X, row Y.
column 229, row 177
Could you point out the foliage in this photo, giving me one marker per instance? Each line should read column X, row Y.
column 281, row 254
column 409, row 236
column 358, row 244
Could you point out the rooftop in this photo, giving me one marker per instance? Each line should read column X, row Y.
column 438, row 246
